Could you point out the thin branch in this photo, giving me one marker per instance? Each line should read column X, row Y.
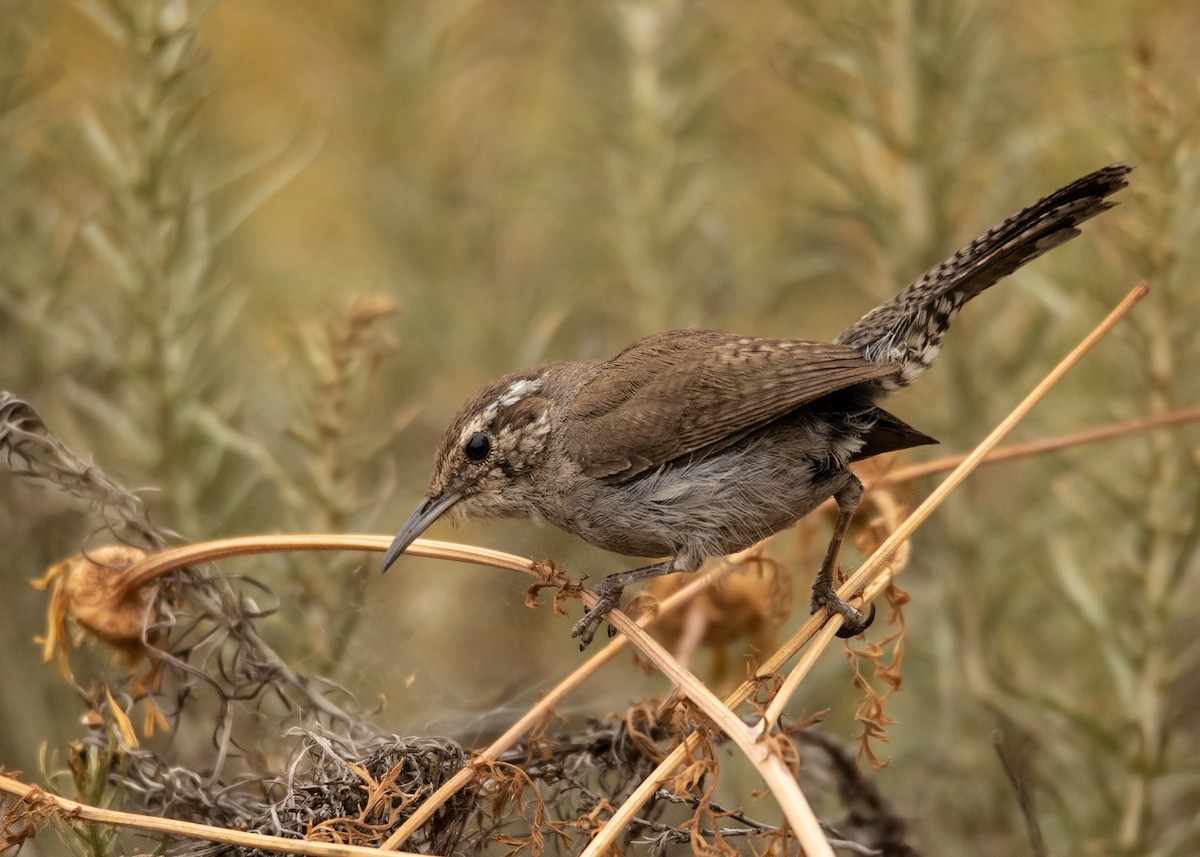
column 876, row 561
column 770, row 764
column 66, row 809
column 156, row 565
column 1042, row 445
column 552, row 698
column 152, row 567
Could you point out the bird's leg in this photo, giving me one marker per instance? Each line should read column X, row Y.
column 824, row 593
column 609, row 590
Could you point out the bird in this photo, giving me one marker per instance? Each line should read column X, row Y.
column 690, row 444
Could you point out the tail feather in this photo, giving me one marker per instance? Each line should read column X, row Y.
column 909, row 328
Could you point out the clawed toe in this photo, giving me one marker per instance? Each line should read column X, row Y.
column 854, row 622
column 852, row 627
column 586, row 627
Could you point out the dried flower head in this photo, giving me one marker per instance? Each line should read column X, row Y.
column 90, row 598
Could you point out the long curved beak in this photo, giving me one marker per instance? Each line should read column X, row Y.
column 418, row 522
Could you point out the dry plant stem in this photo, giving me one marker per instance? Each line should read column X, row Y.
column 871, row 567
column 546, row 704
column 633, row 804
column 770, row 765
column 1042, row 446
column 824, row 636
column 156, row 565
column 188, row 829
column 630, row 807
column 166, row 561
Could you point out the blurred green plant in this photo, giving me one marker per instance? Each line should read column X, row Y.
column 333, row 480
column 155, row 362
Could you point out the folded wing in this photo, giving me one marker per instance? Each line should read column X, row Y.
column 642, row 411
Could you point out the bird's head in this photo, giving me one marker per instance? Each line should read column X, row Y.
column 482, row 466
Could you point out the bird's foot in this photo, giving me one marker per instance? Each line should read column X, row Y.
column 854, row 622
column 585, row 628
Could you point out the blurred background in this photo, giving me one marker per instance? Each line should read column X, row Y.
column 254, row 254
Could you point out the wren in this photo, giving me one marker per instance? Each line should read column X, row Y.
column 693, row 443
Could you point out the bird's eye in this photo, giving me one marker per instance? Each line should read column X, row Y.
column 478, row 446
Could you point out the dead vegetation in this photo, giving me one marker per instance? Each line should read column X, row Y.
column 186, row 643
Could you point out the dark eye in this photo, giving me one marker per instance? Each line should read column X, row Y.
column 478, row 446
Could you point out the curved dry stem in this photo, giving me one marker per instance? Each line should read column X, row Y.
column 151, row 568
column 66, row 808
column 551, row 699
column 772, row 768
column 769, row 763
column 156, row 565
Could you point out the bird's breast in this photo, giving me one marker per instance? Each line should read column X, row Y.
column 717, row 504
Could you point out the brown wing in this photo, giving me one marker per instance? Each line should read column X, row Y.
column 694, row 392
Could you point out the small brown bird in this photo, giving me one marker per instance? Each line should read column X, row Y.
column 694, row 443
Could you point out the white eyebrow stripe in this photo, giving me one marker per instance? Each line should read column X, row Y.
column 518, row 390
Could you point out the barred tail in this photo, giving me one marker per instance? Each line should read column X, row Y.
column 909, row 328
